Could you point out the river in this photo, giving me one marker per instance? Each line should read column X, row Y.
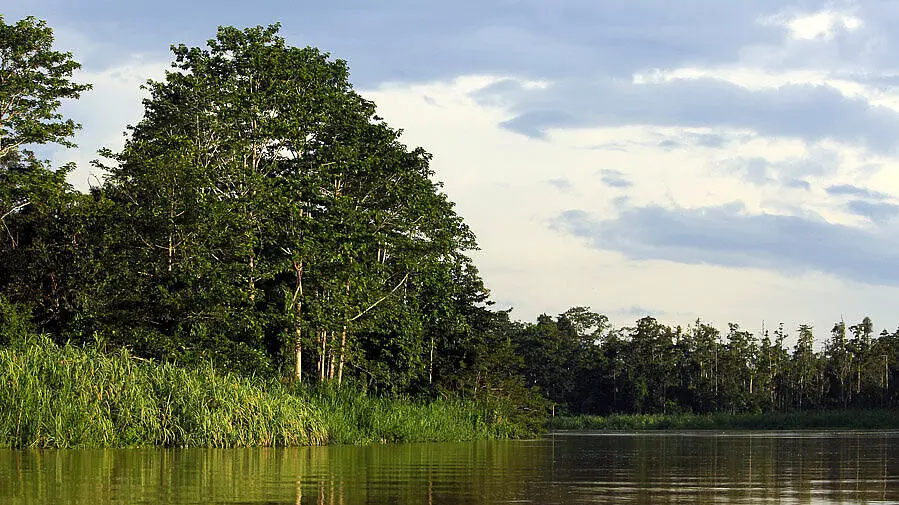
column 562, row 468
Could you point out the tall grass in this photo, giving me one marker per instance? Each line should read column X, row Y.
column 54, row 396
column 352, row 417
column 817, row 419
column 67, row 396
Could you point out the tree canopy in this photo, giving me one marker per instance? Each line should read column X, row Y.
column 33, row 80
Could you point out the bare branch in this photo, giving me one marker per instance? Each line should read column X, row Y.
column 399, row 284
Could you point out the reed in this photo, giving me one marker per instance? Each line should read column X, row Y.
column 68, row 396
column 64, row 396
column 351, row 416
column 814, row 419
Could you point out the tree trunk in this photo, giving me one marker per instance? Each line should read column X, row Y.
column 858, row 383
column 297, row 303
column 323, row 359
column 331, row 360
column 252, row 283
column 431, row 362
column 342, row 356
column 298, row 371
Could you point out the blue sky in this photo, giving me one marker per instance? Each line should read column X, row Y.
column 724, row 159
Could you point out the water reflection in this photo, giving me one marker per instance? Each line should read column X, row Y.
column 686, row 467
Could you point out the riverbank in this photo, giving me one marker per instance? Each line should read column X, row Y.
column 817, row 419
column 66, row 396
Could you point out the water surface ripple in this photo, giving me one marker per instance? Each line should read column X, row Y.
column 560, row 468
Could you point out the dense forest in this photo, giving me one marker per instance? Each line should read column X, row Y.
column 264, row 219
column 583, row 364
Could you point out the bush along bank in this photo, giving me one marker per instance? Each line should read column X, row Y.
column 812, row 419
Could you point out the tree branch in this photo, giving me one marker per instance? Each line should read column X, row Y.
column 3, row 220
column 380, row 299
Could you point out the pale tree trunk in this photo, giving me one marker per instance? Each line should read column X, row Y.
column 323, row 358
column 342, row 349
column 342, row 356
column 331, row 359
column 252, row 283
column 297, row 303
column 858, row 383
column 431, row 362
column 298, row 372
column 171, row 231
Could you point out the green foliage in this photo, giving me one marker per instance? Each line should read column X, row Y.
column 291, row 221
column 45, row 243
column 655, row 369
column 65, row 396
column 69, row 397
column 15, row 322
column 33, row 80
column 261, row 217
column 40, row 238
column 353, row 417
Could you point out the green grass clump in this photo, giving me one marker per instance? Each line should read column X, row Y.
column 817, row 419
column 351, row 416
column 64, row 396
column 69, row 396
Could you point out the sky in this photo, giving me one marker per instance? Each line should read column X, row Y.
column 729, row 160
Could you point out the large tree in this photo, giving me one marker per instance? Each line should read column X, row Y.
column 266, row 210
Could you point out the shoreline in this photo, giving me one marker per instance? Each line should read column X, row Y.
column 851, row 419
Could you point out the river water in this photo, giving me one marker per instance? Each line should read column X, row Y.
column 564, row 468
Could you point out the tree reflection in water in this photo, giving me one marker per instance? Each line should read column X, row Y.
column 661, row 467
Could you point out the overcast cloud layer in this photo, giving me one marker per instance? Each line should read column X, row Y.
column 719, row 158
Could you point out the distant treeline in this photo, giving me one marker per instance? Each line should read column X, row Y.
column 580, row 363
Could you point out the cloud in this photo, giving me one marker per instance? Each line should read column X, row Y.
column 799, row 184
column 876, row 212
column 610, row 146
column 614, row 178
column 821, row 25
column 431, row 41
column 816, row 162
column 756, row 170
column 727, row 236
column 528, row 124
column 808, row 112
column 669, row 144
column 560, row 184
column 850, row 190
column 105, row 111
column 711, row 140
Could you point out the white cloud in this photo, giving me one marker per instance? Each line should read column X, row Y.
column 104, row 112
column 818, row 25
column 821, row 25
column 500, row 183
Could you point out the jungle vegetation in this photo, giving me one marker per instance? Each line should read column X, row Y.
column 263, row 221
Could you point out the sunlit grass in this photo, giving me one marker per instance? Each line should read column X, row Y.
column 353, row 417
column 68, row 396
